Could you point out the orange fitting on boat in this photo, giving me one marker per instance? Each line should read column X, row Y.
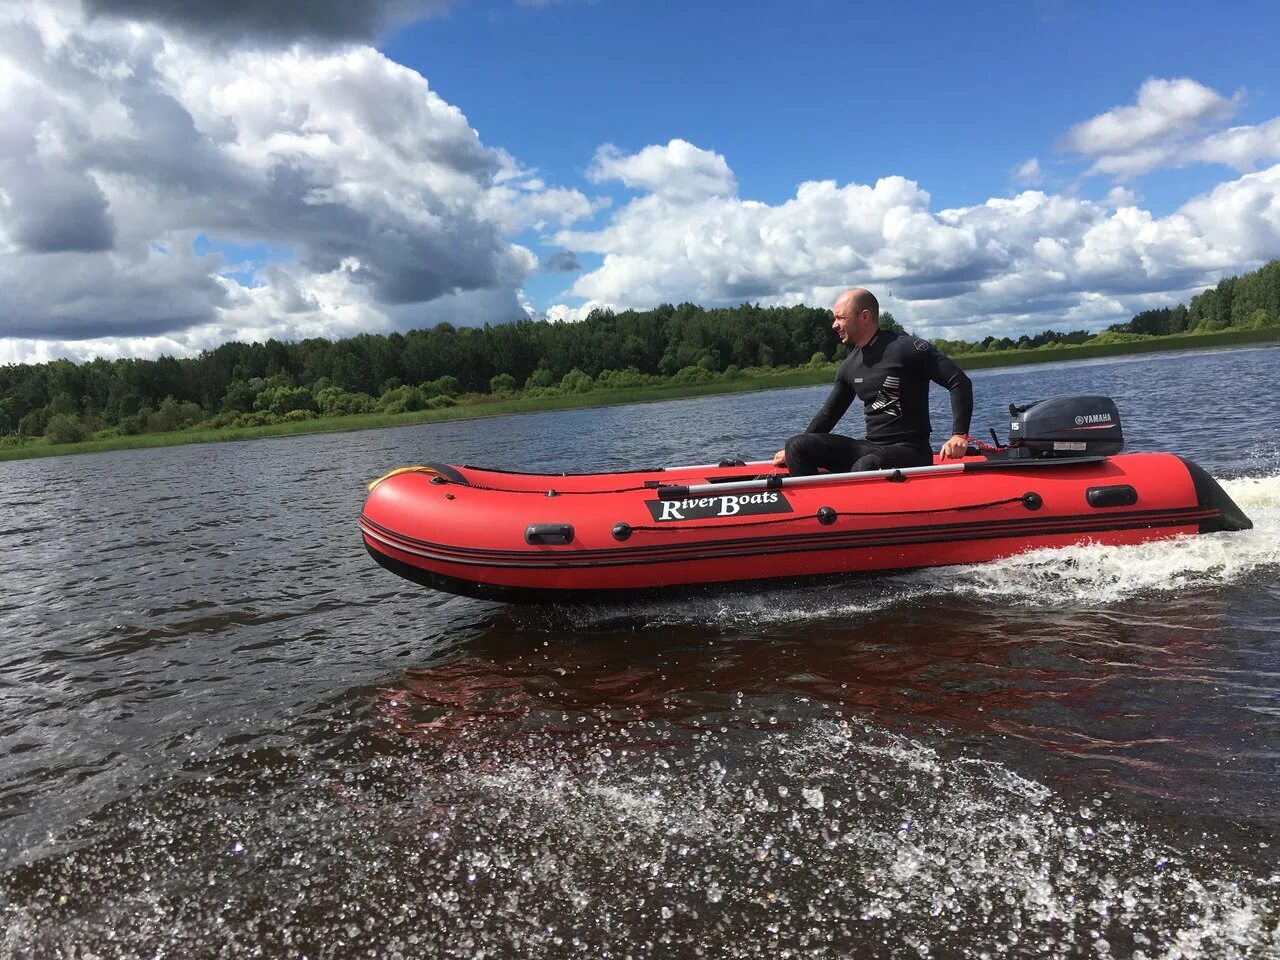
column 399, row 470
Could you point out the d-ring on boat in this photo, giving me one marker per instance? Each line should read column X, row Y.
column 506, row 535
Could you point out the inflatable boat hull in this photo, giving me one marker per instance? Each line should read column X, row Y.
column 537, row 537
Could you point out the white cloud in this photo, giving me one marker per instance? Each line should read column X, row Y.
column 121, row 143
column 281, row 21
column 287, row 308
column 1028, row 173
column 1166, row 110
column 1241, row 217
column 520, row 200
column 678, row 171
column 1029, row 261
column 562, row 313
column 1241, row 147
column 1121, row 197
column 1172, row 125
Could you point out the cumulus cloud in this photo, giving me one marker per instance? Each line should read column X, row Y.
column 271, row 20
column 287, row 308
column 121, row 144
column 678, row 171
column 1029, row 261
column 1241, row 217
column 1028, row 173
column 1007, row 264
column 520, row 200
column 1121, row 197
column 1166, row 109
column 729, row 250
column 1174, row 123
column 1241, row 147
column 561, row 261
column 563, row 313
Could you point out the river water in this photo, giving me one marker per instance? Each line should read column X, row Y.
column 224, row 731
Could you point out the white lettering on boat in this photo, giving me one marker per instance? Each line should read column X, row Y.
column 725, row 505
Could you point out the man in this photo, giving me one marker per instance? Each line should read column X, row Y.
column 890, row 373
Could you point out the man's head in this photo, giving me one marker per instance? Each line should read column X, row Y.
column 856, row 317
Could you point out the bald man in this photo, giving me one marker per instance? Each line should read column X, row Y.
column 890, row 373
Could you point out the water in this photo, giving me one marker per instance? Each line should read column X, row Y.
column 224, row 731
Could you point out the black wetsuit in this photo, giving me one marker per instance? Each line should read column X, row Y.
column 891, row 376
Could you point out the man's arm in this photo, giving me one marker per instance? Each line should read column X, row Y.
column 837, row 403
column 944, row 372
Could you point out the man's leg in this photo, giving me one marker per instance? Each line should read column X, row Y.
column 892, row 456
column 809, row 452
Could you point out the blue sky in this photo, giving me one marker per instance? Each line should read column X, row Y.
column 951, row 95
column 266, row 178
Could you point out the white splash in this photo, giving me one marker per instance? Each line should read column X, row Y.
column 1096, row 573
column 894, row 832
column 1088, row 574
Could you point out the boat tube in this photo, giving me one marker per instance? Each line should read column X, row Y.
column 507, row 535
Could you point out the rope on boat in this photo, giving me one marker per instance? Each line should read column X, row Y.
column 557, row 493
column 983, row 445
column 429, row 469
column 827, row 516
column 649, row 485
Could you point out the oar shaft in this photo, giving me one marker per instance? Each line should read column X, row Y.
column 716, row 466
column 682, row 492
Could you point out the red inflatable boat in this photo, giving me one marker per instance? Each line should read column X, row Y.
column 520, row 536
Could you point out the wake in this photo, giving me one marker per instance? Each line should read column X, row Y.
column 1088, row 574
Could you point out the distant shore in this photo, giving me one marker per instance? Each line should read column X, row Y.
column 496, row 406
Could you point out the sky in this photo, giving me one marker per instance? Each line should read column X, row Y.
column 174, row 176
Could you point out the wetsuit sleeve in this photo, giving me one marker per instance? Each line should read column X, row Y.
column 944, row 372
column 837, row 403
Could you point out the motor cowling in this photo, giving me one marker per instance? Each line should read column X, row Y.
column 1066, row 427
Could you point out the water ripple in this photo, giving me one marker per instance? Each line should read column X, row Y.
column 223, row 729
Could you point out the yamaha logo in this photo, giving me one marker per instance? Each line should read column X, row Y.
column 1093, row 418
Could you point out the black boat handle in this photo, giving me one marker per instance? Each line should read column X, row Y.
column 536, row 533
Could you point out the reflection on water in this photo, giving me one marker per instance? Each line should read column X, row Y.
column 585, row 798
column 1106, row 698
column 224, row 730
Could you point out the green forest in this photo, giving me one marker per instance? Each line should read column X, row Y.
column 258, row 384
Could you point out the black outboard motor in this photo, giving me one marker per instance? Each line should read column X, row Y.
column 1065, row 427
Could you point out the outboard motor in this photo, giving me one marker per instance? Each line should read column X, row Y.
column 1065, row 427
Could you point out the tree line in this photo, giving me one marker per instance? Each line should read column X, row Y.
column 1248, row 301
column 251, row 384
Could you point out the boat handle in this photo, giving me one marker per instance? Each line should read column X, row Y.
column 536, row 533
column 1120, row 495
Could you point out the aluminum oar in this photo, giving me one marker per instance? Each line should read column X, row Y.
column 686, row 491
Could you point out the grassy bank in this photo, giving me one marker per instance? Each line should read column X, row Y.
column 489, row 408
column 1090, row 351
column 601, row 398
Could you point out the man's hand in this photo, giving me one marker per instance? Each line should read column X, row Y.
column 780, row 458
column 954, row 449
